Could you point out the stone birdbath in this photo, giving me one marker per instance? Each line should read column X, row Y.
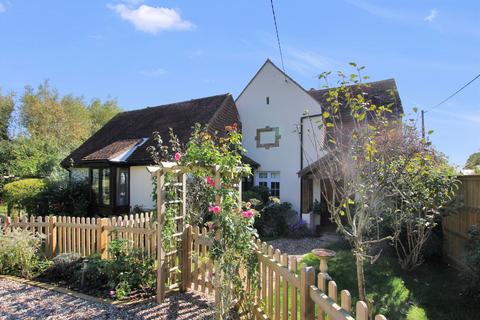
column 324, row 255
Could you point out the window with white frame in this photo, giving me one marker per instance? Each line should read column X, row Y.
column 271, row 180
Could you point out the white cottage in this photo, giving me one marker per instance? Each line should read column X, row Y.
column 278, row 118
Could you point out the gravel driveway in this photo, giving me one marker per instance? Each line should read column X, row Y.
column 299, row 247
column 22, row 301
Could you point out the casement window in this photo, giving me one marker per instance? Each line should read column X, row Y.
column 95, row 185
column 271, row 180
column 100, row 185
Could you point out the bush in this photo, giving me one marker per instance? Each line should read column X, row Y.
column 65, row 198
column 66, row 265
column 23, row 194
column 274, row 219
column 472, row 259
column 19, row 253
column 261, row 193
column 299, row 229
column 129, row 270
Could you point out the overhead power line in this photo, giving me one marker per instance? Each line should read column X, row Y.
column 278, row 37
column 445, row 100
column 455, row 93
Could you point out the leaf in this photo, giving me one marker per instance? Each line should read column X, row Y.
column 430, row 132
column 330, row 125
column 326, row 115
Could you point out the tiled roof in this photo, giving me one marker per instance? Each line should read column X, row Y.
column 127, row 129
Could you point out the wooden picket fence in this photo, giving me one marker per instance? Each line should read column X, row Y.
column 87, row 236
column 286, row 291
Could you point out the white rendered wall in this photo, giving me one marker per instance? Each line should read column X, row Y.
column 141, row 187
column 287, row 103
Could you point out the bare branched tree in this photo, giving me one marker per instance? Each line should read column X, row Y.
column 348, row 172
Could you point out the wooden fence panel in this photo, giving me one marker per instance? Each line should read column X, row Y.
column 456, row 226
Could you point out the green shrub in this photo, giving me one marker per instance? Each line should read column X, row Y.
column 128, row 270
column 64, row 198
column 261, row 193
column 416, row 313
column 472, row 259
column 23, row 194
column 274, row 219
column 66, row 265
column 19, row 253
column 385, row 290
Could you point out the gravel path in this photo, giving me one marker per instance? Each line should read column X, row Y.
column 299, row 247
column 22, row 301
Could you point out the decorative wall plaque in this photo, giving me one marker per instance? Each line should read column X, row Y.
column 268, row 137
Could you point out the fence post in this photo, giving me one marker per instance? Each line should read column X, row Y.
column 362, row 310
column 102, row 237
column 307, row 306
column 187, row 257
column 53, row 235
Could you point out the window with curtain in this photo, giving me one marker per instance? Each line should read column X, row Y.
column 96, row 185
column 122, row 186
column 106, row 186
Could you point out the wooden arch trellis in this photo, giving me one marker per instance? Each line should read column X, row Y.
column 178, row 259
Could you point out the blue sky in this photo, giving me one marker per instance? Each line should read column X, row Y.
column 147, row 53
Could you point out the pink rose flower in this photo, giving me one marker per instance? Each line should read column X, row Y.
column 112, row 293
column 247, row 214
column 215, row 209
column 178, row 156
column 210, row 181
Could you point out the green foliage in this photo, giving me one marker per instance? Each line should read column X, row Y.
column 49, row 127
column 261, row 193
column 397, row 293
column 416, row 313
column 421, row 185
column 127, row 271
column 19, row 253
column 66, row 265
column 7, row 105
column 23, row 194
column 64, row 198
column 472, row 259
column 473, row 161
column 274, row 219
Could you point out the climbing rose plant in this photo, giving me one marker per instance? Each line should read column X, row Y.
column 229, row 221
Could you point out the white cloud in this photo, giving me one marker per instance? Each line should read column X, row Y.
column 154, row 73
column 433, row 14
column 3, row 7
column 152, row 19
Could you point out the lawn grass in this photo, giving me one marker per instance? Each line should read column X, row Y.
column 433, row 291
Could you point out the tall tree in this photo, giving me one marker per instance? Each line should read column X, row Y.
column 51, row 126
column 7, row 105
column 101, row 113
column 473, row 161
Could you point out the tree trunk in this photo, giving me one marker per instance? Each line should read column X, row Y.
column 360, row 277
